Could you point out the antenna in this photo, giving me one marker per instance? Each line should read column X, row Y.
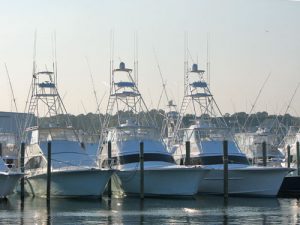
column 135, row 56
column 55, row 59
column 111, row 63
column 185, row 61
column 14, row 100
column 208, row 60
column 34, row 52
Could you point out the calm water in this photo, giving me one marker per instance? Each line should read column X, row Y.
column 201, row 210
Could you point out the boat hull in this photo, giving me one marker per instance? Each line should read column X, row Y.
column 176, row 182
column 248, row 181
column 8, row 182
column 69, row 183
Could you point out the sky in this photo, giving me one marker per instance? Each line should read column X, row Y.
column 248, row 40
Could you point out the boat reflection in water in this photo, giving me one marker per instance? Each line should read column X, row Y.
column 201, row 210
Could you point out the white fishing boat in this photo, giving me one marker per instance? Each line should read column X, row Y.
column 74, row 173
column 251, row 144
column 206, row 135
column 290, row 139
column 9, row 176
column 133, row 125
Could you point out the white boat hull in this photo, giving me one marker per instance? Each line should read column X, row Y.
column 70, row 183
column 248, row 181
column 8, row 182
column 168, row 181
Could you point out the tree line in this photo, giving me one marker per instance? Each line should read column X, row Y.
column 91, row 123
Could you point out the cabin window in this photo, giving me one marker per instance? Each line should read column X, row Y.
column 135, row 158
column 214, row 160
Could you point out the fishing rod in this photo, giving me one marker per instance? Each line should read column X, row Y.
column 94, row 92
column 256, row 99
column 164, row 91
column 18, row 123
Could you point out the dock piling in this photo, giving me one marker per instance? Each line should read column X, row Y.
column 187, row 153
column 225, row 162
column 142, row 170
column 22, row 159
column 0, row 149
column 289, row 156
column 264, row 153
column 298, row 157
column 49, row 171
column 109, row 191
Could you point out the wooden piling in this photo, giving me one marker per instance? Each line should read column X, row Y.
column 22, row 158
column 264, row 153
column 109, row 191
column 49, row 171
column 298, row 157
column 142, row 170
column 187, row 153
column 225, row 162
column 289, row 156
column 0, row 149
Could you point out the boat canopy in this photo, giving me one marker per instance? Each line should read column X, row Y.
column 46, row 85
column 123, row 84
column 199, row 84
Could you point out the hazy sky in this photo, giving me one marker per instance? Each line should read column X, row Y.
column 248, row 40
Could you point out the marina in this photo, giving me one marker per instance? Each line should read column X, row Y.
column 143, row 112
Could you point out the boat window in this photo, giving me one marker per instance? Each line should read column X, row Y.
column 35, row 162
column 214, row 160
column 126, row 134
column 57, row 134
column 121, row 160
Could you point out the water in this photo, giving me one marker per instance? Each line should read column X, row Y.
column 201, row 210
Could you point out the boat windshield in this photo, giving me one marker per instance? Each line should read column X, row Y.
column 205, row 134
column 57, row 134
column 134, row 133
